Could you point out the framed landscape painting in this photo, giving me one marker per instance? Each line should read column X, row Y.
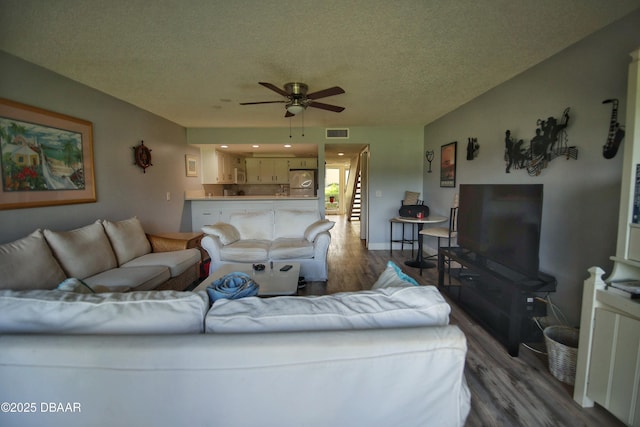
column 448, row 165
column 46, row 158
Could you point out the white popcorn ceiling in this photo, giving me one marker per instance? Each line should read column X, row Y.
column 400, row 62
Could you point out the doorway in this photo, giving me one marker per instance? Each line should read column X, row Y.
column 345, row 183
column 336, row 177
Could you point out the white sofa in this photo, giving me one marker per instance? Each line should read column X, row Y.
column 383, row 357
column 281, row 235
column 116, row 255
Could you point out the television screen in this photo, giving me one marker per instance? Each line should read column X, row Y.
column 502, row 223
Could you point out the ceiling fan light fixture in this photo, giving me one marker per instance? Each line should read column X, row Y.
column 295, row 107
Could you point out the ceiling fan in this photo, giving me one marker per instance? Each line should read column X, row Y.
column 298, row 99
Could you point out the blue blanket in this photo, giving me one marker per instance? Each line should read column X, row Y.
column 232, row 286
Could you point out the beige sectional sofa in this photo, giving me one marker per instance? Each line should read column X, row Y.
column 114, row 255
column 282, row 235
column 382, row 357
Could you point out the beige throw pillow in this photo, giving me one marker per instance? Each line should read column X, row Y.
column 29, row 264
column 127, row 238
column 82, row 252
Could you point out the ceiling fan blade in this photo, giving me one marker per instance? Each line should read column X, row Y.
column 262, row 102
column 336, row 90
column 329, row 107
column 274, row 88
column 288, row 114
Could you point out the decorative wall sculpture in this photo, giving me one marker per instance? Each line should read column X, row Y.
column 430, row 154
column 473, row 148
column 616, row 131
column 549, row 142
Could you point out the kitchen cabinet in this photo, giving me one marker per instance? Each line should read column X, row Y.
column 267, row 170
column 303, row 163
column 209, row 166
column 218, row 167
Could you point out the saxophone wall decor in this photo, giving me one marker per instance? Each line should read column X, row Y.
column 616, row 131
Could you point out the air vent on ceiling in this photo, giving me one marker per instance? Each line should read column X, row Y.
column 341, row 133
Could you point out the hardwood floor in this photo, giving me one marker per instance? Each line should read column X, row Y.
column 506, row 391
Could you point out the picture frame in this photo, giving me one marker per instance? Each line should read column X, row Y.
column 46, row 158
column 191, row 165
column 448, row 164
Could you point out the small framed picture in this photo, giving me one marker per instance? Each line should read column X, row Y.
column 448, row 164
column 191, row 165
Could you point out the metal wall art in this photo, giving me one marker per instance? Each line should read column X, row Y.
column 473, row 148
column 430, row 154
column 142, row 156
column 616, row 131
column 549, row 142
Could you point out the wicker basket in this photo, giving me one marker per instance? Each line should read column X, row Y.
column 562, row 348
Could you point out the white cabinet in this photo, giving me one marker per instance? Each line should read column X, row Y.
column 303, row 163
column 267, row 170
column 229, row 163
column 218, row 167
column 614, row 374
column 209, row 166
column 253, row 170
column 203, row 213
column 608, row 365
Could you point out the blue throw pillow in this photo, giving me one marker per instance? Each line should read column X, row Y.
column 393, row 276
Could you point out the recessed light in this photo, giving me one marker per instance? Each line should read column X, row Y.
column 224, row 146
column 340, row 154
column 255, row 146
column 287, row 145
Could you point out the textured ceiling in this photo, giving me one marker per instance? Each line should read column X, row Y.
column 400, row 62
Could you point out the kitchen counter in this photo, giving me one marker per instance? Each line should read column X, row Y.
column 249, row 198
column 206, row 210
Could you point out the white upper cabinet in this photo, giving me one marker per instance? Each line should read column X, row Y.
column 303, row 163
column 218, row 167
column 267, row 170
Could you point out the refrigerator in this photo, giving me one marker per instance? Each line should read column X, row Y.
column 302, row 182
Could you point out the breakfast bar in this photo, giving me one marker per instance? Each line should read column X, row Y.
column 207, row 210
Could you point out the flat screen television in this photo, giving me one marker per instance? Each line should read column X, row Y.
column 502, row 223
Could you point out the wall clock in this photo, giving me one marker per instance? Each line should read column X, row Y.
column 142, row 156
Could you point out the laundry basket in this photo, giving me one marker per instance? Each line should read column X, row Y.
column 562, row 348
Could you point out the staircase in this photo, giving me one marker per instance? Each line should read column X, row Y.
column 355, row 205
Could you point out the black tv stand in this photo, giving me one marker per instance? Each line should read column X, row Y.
column 503, row 301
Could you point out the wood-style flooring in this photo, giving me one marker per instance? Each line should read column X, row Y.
column 506, row 391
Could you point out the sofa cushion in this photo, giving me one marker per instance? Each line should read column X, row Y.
column 256, row 225
column 293, row 222
column 393, row 276
column 29, row 264
column 290, row 249
column 130, row 278
column 82, row 252
column 127, row 238
column 177, row 261
column 246, row 251
column 312, row 231
column 227, row 233
column 52, row 311
column 383, row 308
